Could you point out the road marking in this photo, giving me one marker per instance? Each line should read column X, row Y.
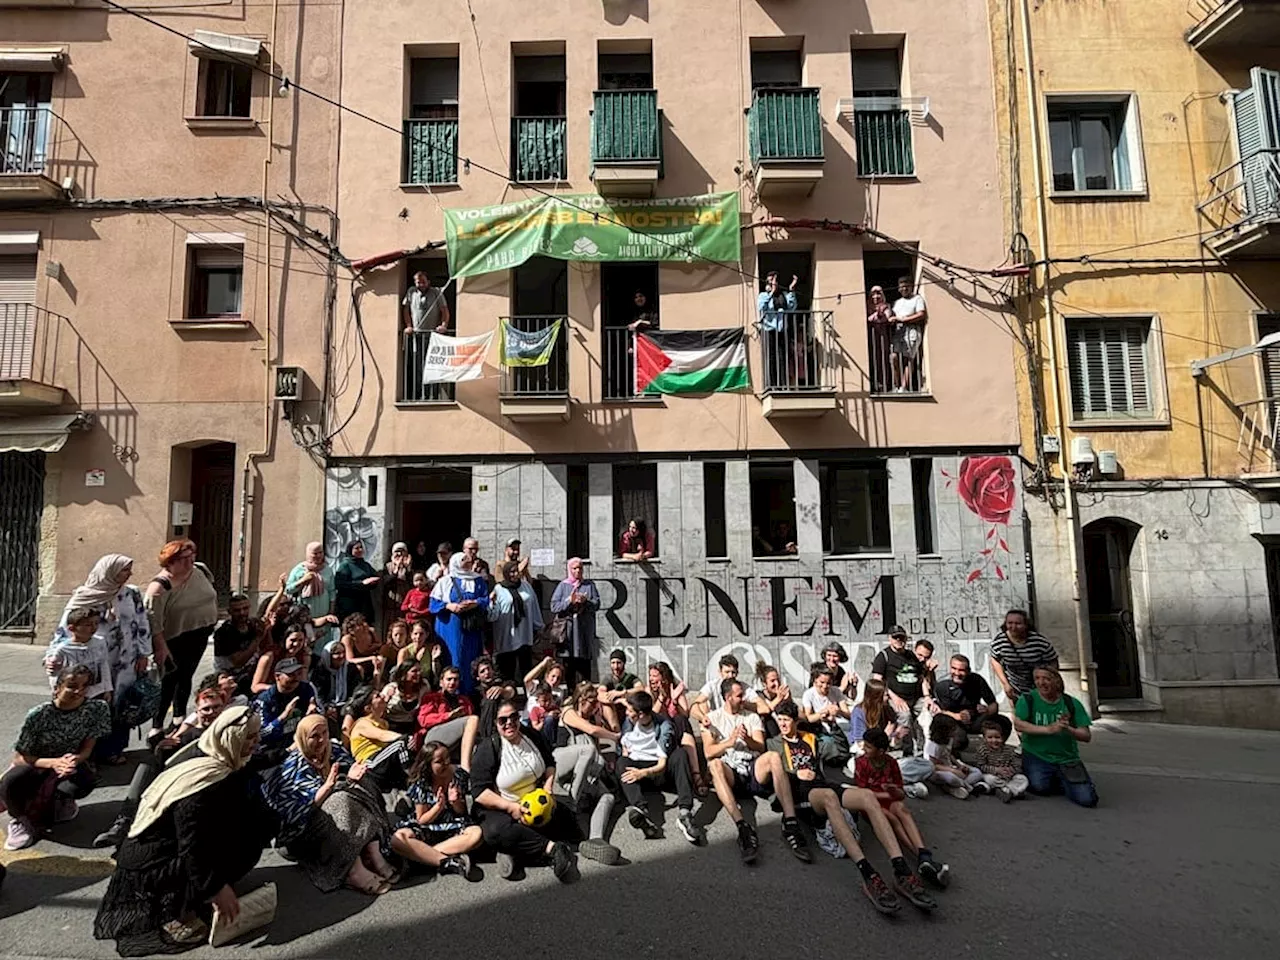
column 56, row 864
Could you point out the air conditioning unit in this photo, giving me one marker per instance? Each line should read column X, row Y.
column 289, row 383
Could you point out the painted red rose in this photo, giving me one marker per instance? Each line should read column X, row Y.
column 988, row 487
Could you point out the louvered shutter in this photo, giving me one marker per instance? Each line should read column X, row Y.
column 876, row 73
column 1270, row 356
column 219, row 258
column 1108, row 369
column 17, row 315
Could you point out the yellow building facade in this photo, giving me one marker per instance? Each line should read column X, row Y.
column 1138, row 145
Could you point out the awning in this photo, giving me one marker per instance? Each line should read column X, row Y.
column 40, row 434
column 32, row 59
column 227, row 46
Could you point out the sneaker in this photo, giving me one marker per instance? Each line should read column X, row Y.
column 981, row 787
column 20, row 835
column 960, row 793
column 65, row 810
column 936, row 873
column 459, row 865
column 640, row 820
column 115, row 834
column 1005, row 794
column 463, row 777
column 880, row 895
column 562, row 862
column 911, row 888
column 793, row 836
column 916, row 791
column 692, row 832
column 601, row 851
column 748, row 842
column 508, row 869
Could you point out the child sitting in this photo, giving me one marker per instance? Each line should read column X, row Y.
column 544, row 715
column 440, row 832
column 417, row 602
column 878, row 772
column 1001, row 764
column 957, row 778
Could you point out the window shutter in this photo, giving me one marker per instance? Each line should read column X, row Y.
column 1107, row 368
column 18, row 279
column 876, row 73
column 1270, row 356
column 219, row 258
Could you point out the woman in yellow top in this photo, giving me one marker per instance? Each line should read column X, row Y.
column 387, row 754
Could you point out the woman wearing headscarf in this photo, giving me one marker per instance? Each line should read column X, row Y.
column 396, row 583
column 333, row 824
column 516, row 616
column 182, row 607
column 312, row 583
column 577, row 600
column 335, row 682
column 200, row 828
column 355, row 584
column 460, row 605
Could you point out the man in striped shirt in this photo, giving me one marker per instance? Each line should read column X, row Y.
column 1016, row 651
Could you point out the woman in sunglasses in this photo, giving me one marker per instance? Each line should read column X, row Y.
column 505, row 767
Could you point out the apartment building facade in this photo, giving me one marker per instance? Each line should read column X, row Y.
column 1139, row 143
column 147, row 294
column 815, row 120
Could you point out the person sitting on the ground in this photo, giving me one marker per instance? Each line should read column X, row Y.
column 50, row 770
column 802, row 760
column 903, row 674
column 427, row 651
column 440, row 831
column 615, row 687
column 583, row 715
column 1001, row 764
column 507, row 766
column 231, row 694
column 710, row 696
column 671, row 700
column 772, row 694
column 393, row 647
column 953, row 775
column 489, row 690
column 236, row 639
column 966, row 698
column 335, row 834
column 83, row 646
column 404, row 695
column 283, row 705
column 878, row 772
column 387, row 754
column 448, row 717
column 362, row 645
column 335, row 683
column 651, row 751
column 834, row 656
column 296, row 647
column 928, row 664
column 551, row 671
column 1053, row 724
column 544, row 715
column 823, row 705
column 200, row 828
column 733, row 742
column 417, row 602
column 590, row 730
column 210, row 702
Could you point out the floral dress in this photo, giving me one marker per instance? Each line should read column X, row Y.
column 124, row 631
column 448, row 824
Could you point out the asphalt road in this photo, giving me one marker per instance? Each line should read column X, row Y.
column 1182, row 859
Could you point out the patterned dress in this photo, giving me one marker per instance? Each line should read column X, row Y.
column 124, row 631
column 448, row 824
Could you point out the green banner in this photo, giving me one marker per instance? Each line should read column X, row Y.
column 589, row 227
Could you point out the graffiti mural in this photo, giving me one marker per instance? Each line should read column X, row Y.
column 354, row 511
column 988, row 486
column 344, row 527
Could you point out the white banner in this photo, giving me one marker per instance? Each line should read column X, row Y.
column 454, row 359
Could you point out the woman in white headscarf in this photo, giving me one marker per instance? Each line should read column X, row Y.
column 460, row 605
column 200, row 828
column 123, row 628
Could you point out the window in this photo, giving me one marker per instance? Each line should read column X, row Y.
column 413, row 344
column 773, row 509
column 892, row 370
column 538, row 132
column 635, row 497
column 855, row 507
column 26, row 115
column 578, row 538
column 217, row 282
column 788, row 341
column 717, row 528
column 1109, row 366
column 877, row 73
column 922, row 499
column 226, row 88
column 628, row 295
column 431, row 129
column 1095, row 144
column 778, row 69
column 625, row 71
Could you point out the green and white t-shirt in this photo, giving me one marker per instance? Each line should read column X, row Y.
column 1051, row 747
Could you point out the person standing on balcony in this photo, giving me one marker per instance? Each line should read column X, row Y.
column 880, row 319
column 424, row 311
column 773, row 304
column 910, row 314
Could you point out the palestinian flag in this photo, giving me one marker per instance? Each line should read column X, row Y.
column 691, row 361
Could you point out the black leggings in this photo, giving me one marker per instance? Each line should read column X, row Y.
column 175, row 689
column 527, row 844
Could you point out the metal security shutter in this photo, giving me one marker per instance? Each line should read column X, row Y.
column 18, row 279
column 433, row 80
column 1108, row 368
column 876, row 73
column 21, row 503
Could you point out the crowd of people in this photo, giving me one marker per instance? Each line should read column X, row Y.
column 474, row 727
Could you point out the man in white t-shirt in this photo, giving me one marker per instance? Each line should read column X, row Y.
column 909, row 316
column 710, row 698
column 824, row 705
column 740, row 766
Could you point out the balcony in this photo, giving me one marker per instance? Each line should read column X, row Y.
column 797, row 350
column 882, row 132
column 538, row 147
column 1235, row 25
column 626, row 142
column 37, row 153
column 28, row 335
column 430, row 152
column 542, row 392
column 896, row 370
column 1243, row 208
column 409, row 386
column 784, row 129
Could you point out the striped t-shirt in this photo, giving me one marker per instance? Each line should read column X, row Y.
column 1019, row 660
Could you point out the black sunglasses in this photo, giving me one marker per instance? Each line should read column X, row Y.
column 508, row 719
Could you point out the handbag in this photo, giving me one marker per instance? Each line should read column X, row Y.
column 257, row 909
column 554, row 635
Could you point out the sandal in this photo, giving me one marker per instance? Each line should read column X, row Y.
column 184, row 932
column 374, row 887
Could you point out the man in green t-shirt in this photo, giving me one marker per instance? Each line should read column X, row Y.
column 1052, row 724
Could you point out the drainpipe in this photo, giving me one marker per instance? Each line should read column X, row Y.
column 268, row 406
column 1083, row 645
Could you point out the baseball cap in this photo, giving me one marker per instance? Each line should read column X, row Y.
column 288, row 666
column 898, row 631
column 513, row 542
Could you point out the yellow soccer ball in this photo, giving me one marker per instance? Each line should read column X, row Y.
column 536, row 808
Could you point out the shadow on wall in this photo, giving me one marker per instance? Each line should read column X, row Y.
column 618, row 12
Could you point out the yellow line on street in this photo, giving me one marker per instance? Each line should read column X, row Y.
column 56, row 864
